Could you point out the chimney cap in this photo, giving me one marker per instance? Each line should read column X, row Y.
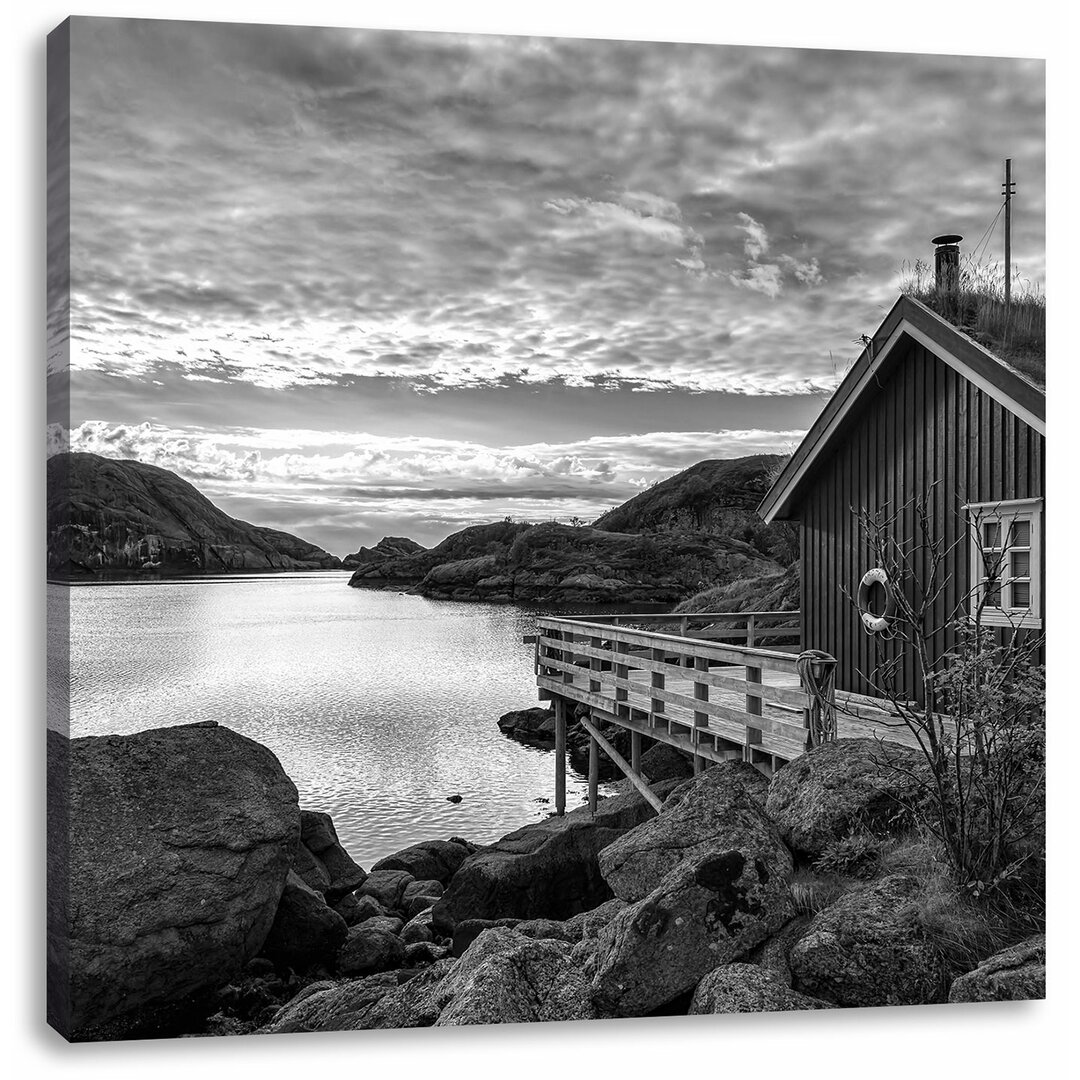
column 947, row 238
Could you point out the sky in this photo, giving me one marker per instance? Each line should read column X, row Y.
column 361, row 283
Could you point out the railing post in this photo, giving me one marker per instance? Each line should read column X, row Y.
column 622, row 671
column 560, row 756
column 701, row 719
column 594, row 665
column 567, row 656
column 750, row 626
column 753, row 708
column 656, row 705
column 594, row 773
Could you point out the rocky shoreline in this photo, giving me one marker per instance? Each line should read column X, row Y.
column 190, row 894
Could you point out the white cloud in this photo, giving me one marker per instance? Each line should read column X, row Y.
column 756, row 243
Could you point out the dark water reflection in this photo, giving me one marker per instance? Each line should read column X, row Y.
column 378, row 705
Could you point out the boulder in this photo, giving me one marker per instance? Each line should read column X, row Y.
column 310, row 869
column 774, row 954
column 348, row 907
column 364, row 908
column 386, row 886
column 867, row 949
column 390, row 923
column 370, row 949
column 418, row 928
column 529, row 724
column 747, row 988
column 507, row 978
column 421, row 953
column 546, row 870
column 415, row 1003
column 1014, row 974
column 331, row 1006
column 664, row 762
column 710, row 910
column 318, row 835
column 468, row 930
column 305, row 931
column 548, row 928
column 435, row 860
column 419, row 896
column 715, row 812
column 179, row 846
column 835, row 789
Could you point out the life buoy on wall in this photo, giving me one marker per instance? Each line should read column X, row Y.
column 873, row 622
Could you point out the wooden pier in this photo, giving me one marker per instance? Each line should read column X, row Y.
column 703, row 683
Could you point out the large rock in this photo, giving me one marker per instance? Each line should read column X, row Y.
column 546, row 870
column 370, row 949
column 867, row 949
column 435, row 860
column 387, row 887
column 507, row 978
column 305, row 931
column 710, row 910
column 529, row 725
column 664, row 762
column 1014, row 974
column 331, row 1006
column 719, row 810
column 836, row 788
column 318, row 835
column 180, row 843
column 747, row 988
column 415, row 1003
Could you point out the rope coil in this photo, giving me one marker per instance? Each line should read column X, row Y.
column 817, row 673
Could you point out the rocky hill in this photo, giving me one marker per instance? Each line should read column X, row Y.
column 562, row 564
column 696, row 531
column 105, row 516
column 712, row 496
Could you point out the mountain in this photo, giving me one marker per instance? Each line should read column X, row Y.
column 108, row 516
column 713, row 496
column 389, row 547
column 697, row 531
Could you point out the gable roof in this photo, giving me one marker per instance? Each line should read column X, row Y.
column 908, row 320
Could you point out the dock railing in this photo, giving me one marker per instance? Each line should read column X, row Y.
column 683, row 685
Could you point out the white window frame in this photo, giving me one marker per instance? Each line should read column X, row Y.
column 1005, row 512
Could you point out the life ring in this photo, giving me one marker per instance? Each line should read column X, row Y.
column 875, row 623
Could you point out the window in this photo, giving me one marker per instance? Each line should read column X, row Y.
column 1006, row 562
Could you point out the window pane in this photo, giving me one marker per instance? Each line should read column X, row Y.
column 992, row 534
column 1021, row 534
column 1020, row 561
column 1021, row 594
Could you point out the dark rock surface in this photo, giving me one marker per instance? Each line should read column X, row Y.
column 546, row 870
column 663, row 762
column 1014, row 974
column 866, row 949
column 746, row 988
column 712, row 909
column 386, row 886
column 837, row 788
column 105, row 515
column 436, row 860
column 180, row 845
column 530, row 725
column 716, row 812
column 319, row 837
column 332, row 1005
column 305, row 931
column 370, row 949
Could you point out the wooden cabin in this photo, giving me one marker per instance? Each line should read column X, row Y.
column 924, row 413
column 927, row 430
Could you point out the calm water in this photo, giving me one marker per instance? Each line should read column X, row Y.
column 378, row 705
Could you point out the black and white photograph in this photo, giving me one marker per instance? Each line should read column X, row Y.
column 539, row 529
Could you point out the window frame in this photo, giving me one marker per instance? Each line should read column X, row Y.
column 1005, row 512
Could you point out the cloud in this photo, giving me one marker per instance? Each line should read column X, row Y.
column 757, row 239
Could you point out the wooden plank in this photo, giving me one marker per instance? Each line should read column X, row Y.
column 628, row 771
column 594, row 772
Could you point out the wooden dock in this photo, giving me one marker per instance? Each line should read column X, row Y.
column 680, row 680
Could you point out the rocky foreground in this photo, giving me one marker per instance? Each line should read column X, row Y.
column 190, row 894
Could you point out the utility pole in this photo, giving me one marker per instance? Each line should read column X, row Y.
column 1008, row 190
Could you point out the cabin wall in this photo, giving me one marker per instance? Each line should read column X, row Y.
column 926, row 424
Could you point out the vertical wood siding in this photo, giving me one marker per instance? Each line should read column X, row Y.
column 927, row 432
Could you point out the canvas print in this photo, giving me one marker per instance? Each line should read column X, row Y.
column 539, row 529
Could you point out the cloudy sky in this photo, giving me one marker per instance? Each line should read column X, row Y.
column 362, row 283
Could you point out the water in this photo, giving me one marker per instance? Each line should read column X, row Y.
column 378, row 705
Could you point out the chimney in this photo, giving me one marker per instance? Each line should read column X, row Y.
column 947, row 271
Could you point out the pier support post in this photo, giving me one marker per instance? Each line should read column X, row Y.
column 560, row 756
column 635, row 752
column 594, row 773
